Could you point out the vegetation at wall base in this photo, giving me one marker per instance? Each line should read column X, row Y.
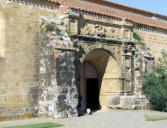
column 155, row 85
column 42, row 125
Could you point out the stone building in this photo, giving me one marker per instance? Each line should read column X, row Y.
column 59, row 57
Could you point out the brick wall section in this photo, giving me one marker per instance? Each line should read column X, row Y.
column 19, row 66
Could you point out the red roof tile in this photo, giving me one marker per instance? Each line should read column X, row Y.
column 111, row 11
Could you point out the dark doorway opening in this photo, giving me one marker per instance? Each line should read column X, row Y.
column 92, row 93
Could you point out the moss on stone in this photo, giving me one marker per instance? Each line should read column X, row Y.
column 49, row 27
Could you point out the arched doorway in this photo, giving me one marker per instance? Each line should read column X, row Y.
column 102, row 66
column 89, row 85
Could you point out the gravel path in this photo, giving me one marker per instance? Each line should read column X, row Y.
column 101, row 119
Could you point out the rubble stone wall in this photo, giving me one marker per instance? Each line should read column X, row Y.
column 146, row 57
column 57, row 84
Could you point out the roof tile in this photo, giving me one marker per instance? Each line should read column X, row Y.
column 111, row 11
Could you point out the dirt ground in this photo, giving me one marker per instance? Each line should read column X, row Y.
column 101, row 119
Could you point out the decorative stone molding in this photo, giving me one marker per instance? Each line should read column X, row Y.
column 98, row 29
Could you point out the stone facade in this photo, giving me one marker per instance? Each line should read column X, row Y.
column 20, row 27
column 42, row 48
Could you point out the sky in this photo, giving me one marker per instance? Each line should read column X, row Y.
column 157, row 6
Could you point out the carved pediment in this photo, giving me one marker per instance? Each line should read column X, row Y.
column 102, row 30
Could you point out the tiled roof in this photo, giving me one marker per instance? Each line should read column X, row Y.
column 114, row 12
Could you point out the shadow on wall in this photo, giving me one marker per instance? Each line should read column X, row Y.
column 33, row 96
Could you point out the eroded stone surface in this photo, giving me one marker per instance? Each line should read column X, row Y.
column 59, row 96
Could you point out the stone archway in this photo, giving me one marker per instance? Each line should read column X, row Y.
column 108, row 73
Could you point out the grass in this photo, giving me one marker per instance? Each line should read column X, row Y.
column 42, row 125
column 155, row 118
